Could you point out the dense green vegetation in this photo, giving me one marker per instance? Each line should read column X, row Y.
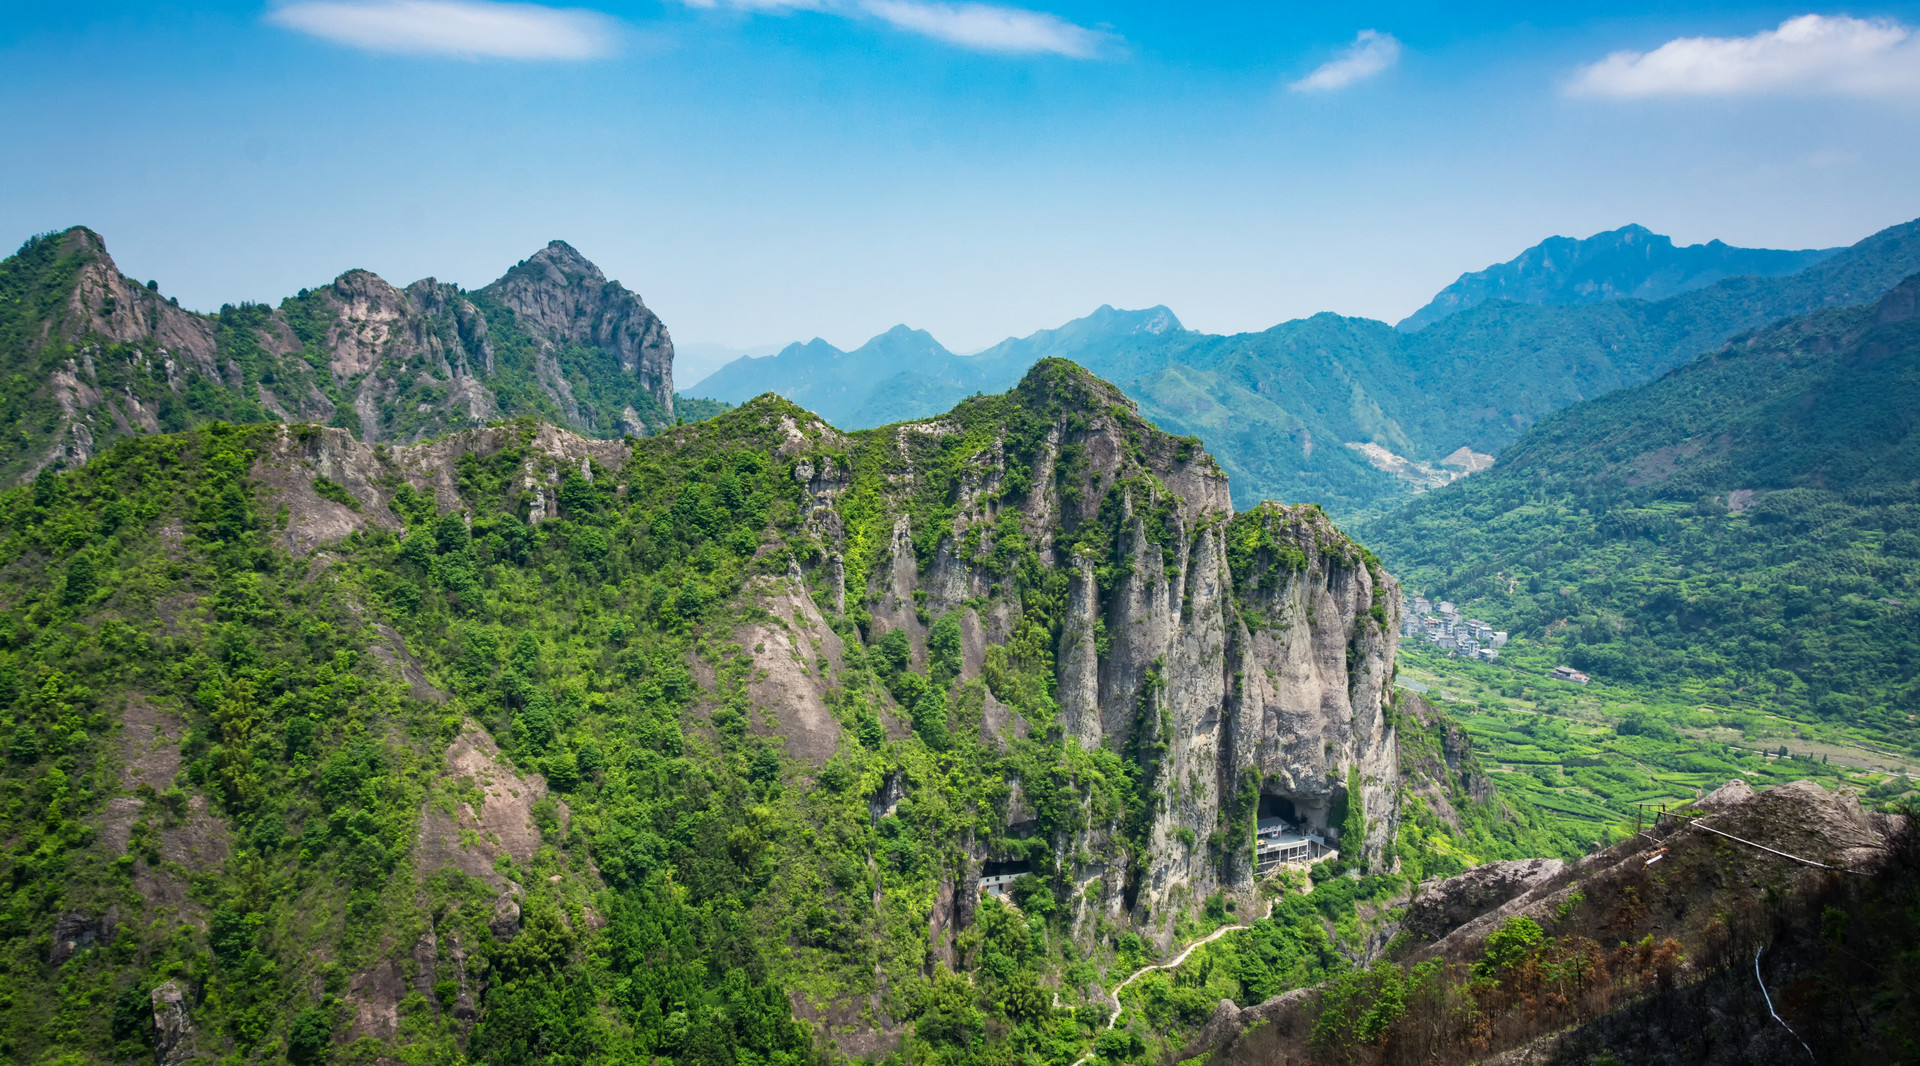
column 692, row 880
column 694, row 409
column 1739, row 533
column 568, row 641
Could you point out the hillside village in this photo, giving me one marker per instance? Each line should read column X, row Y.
column 1440, row 624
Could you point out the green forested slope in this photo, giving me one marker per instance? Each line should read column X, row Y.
column 264, row 788
column 1746, row 525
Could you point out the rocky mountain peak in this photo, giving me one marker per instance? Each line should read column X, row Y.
column 1055, row 383
column 114, row 357
column 561, row 299
column 1152, row 320
column 106, row 303
column 83, row 240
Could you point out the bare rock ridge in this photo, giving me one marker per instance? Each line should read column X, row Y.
column 1443, row 905
column 561, row 298
column 1691, row 903
column 115, row 358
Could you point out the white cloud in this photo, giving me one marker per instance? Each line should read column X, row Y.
column 979, row 27
column 1369, row 54
column 987, row 28
column 1810, row 54
column 470, row 28
column 761, row 5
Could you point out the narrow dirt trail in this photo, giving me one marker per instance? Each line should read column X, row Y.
column 1173, row 964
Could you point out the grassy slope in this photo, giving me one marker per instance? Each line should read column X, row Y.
column 1607, row 533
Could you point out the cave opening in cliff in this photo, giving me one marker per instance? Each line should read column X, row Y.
column 1298, row 812
column 1281, row 807
column 1288, row 831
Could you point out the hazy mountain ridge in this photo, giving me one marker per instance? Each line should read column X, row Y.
column 92, row 355
column 1279, row 406
column 905, row 373
column 1629, row 262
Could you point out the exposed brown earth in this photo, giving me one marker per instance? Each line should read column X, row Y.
column 1686, row 905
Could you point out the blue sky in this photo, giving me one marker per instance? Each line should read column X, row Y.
column 763, row 171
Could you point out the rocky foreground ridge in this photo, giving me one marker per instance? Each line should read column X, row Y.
column 105, row 356
column 1750, row 927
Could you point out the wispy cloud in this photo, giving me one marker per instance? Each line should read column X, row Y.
column 974, row 26
column 468, row 28
column 987, row 28
column 1814, row 54
column 761, row 5
column 1370, row 53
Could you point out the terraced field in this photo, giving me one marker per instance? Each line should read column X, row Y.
column 1589, row 756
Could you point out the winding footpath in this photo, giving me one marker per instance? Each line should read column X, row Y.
column 1173, row 964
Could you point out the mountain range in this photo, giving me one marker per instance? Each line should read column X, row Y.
column 995, row 736
column 1352, row 413
column 90, row 355
column 456, row 745
column 1629, row 262
column 754, row 741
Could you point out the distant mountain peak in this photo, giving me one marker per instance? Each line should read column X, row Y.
column 1155, row 320
column 1629, row 262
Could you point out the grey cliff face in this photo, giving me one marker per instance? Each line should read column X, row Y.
column 1318, row 632
column 172, row 1025
column 1245, row 660
column 383, row 341
column 561, row 298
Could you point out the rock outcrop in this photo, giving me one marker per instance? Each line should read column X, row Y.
column 117, row 359
column 172, row 1024
column 1243, row 660
column 298, row 457
column 1441, row 905
column 560, row 298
